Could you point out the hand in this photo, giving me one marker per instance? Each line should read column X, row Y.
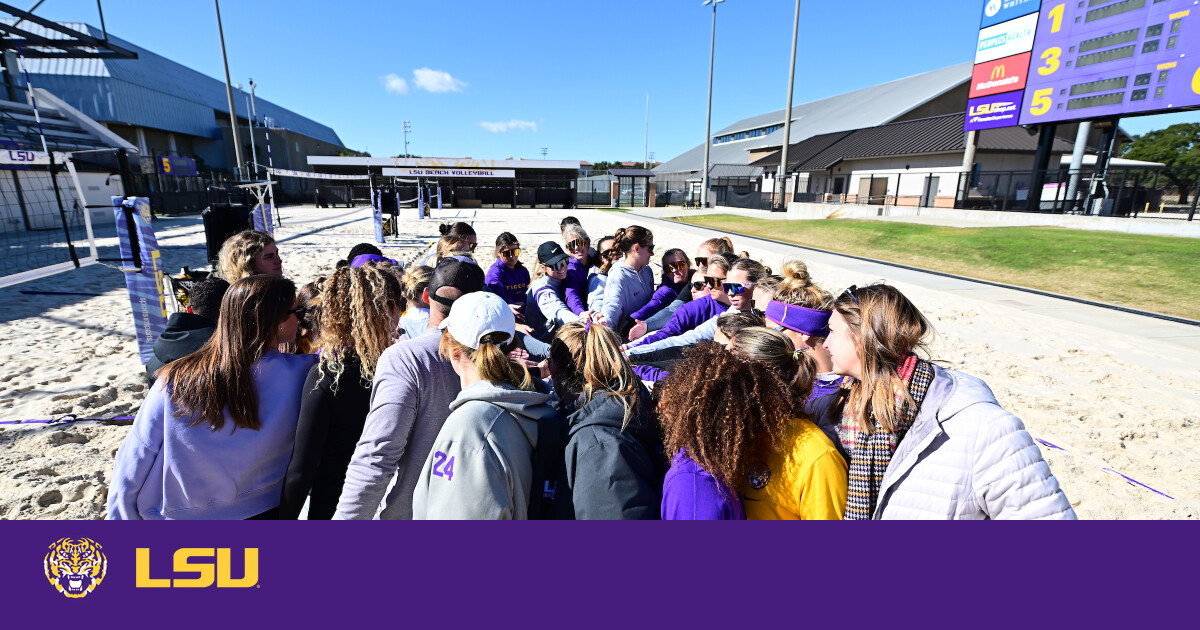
column 544, row 368
column 516, row 309
column 520, row 354
column 638, row 331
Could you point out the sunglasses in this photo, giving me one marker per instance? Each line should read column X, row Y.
column 611, row 254
column 736, row 288
column 678, row 266
column 701, row 261
column 576, row 244
column 850, row 289
column 712, row 282
column 511, row 253
column 471, row 246
column 649, row 248
column 558, row 266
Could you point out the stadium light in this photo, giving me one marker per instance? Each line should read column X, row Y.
column 712, row 49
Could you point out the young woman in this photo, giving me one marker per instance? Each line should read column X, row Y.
column 507, row 277
column 738, row 289
column 614, row 443
column 767, row 287
column 461, row 230
column 676, row 272
column 545, row 308
column 415, row 319
column 707, row 250
column 481, row 464
column 308, row 309
column 708, row 301
column 714, row 440
column 713, row 247
column 925, row 442
column 598, row 276
column 583, row 260
column 656, row 366
column 800, row 310
column 805, row 479
column 456, row 246
column 247, row 253
column 630, row 281
column 361, row 308
column 213, row 437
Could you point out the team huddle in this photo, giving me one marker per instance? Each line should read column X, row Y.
column 580, row 389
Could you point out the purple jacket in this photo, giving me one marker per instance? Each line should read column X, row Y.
column 575, row 285
column 651, row 374
column 509, row 284
column 825, row 388
column 688, row 316
column 664, row 295
column 691, row 494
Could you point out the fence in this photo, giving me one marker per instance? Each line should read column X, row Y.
column 1156, row 192
column 594, row 191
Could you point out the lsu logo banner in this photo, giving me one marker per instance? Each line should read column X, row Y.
column 144, row 285
column 75, row 566
column 210, row 566
column 989, row 112
column 1002, row 75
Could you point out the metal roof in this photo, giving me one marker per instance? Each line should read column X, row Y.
column 730, row 171
column 631, row 172
column 867, row 107
column 940, row 134
column 153, row 91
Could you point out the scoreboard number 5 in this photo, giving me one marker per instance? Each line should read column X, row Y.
column 1041, row 102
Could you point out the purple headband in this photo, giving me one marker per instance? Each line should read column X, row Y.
column 363, row 259
column 802, row 320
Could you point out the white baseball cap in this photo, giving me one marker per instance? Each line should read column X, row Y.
column 476, row 315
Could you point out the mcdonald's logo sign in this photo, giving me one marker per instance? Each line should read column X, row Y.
column 1002, row 75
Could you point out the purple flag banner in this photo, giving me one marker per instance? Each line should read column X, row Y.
column 377, row 215
column 143, row 276
column 263, row 218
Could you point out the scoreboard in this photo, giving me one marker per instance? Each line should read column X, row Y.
column 1048, row 61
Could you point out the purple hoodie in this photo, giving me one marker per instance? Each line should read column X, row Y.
column 664, row 295
column 688, row 316
column 575, row 286
column 509, row 284
column 691, row 494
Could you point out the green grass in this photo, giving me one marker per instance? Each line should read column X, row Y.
column 1155, row 273
column 613, row 209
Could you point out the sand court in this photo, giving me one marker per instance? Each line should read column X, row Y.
column 1114, row 390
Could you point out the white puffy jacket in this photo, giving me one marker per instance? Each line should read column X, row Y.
column 965, row 457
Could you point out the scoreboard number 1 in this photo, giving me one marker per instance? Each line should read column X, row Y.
column 1056, row 18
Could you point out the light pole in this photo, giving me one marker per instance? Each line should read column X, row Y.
column 237, row 147
column 253, row 122
column 407, row 129
column 787, row 112
column 708, row 126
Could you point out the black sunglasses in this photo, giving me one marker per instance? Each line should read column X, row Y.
column 611, row 254
column 681, row 265
column 508, row 253
column 701, row 261
column 576, row 244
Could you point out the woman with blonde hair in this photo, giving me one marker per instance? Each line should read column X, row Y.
column 805, row 478
column 360, row 310
column 613, row 449
column 456, row 246
column 247, row 253
column 925, row 442
column 415, row 319
column 481, row 464
column 800, row 310
column 213, row 437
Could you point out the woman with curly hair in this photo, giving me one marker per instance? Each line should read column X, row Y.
column 360, row 308
column 247, row 253
column 805, row 478
column 715, row 436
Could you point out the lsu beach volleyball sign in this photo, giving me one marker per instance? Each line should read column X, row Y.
column 143, row 273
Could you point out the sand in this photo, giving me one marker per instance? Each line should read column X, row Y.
column 1120, row 401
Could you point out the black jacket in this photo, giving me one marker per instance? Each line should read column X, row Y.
column 826, row 413
column 613, row 473
column 184, row 334
column 326, row 435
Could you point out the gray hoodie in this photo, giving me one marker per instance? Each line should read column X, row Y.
column 481, row 464
column 625, row 291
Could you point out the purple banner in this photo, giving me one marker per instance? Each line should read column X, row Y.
column 450, row 575
column 989, row 112
column 1112, row 60
column 377, row 214
column 144, row 285
column 263, row 218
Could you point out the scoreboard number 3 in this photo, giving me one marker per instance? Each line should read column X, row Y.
column 1052, row 63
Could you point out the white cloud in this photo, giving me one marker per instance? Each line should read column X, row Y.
column 510, row 125
column 436, row 81
column 394, row 83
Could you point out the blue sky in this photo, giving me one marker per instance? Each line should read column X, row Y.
column 504, row 79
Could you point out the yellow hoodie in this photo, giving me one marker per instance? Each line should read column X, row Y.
column 804, row 480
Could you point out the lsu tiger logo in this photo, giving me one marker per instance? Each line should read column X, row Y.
column 75, row 566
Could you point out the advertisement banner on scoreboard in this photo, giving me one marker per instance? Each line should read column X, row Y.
column 998, row 11
column 1005, row 40
column 990, row 112
column 1002, row 75
column 144, row 285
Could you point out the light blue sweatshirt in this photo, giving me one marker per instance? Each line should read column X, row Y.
column 166, row 469
column 413, row 322
column 704, row 332
column 626, row 291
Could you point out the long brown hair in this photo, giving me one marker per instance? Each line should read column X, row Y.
column 886, row 327
column 626, row 238
column 356, row 312
column 776, row 351
column 723, row 411
column 219, row 374
column 588, row 361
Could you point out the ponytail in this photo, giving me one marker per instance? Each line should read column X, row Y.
column 588, row 360
column 775, row 350
column 489, row 360
column 626, row 238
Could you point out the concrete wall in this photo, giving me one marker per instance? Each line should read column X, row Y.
column 1156, row 227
